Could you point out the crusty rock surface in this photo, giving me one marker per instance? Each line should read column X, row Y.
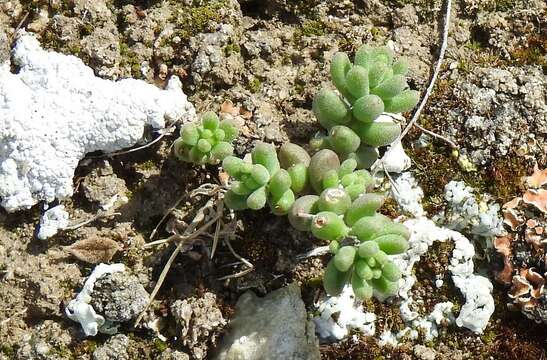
column 273, row 327
column 199, row 320
column 119, row 297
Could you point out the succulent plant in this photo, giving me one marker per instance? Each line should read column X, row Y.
column 259, row 180
column 208, row 142
column 326, row 194
column 366, row 264
column 373, row 84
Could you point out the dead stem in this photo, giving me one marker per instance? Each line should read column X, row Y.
column 183, row 240
column 100, row 215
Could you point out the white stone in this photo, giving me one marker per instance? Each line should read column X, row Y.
column 467, row 213
column 54, row 110
column 80, row 310
column 52, row 221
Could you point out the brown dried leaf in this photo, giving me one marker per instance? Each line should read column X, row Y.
column 94, row 250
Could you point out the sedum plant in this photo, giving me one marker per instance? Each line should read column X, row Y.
column 259, row 180
column 330, row 199
column 373, row 84
column 206, row 142
column 327, row 194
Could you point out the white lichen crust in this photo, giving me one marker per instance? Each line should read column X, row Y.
column 55, row 110
column 80, row 310
column 339, row 315
column 52, row 221
column 477, row 290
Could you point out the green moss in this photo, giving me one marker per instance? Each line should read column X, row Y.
column 196, row 19
column 255, row 85
column 377, row 33
column 232, row 48
column 160, row 346
column 8, row 351
column 474, row 45
column 535, row 53
column 62, row 352
column 506, row 5
column 130, row 59
column 489, row 337
column 147, row 165
column 313, row 28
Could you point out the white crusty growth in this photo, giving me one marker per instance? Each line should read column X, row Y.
column 55, row 110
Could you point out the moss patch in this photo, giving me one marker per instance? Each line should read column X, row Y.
column 197, row 19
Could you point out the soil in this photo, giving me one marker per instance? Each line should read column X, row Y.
column 269, row 58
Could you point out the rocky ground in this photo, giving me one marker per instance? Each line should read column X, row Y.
column 262, row 62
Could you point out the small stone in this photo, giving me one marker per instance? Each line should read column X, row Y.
column 173, row 355
column 200, row 319
column 114, row 349
column 424, row 353
column 119, row 297
column 101, row 185
column 273, row 327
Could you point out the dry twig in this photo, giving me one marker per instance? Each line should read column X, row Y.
column 434, row 76
column 183, row 240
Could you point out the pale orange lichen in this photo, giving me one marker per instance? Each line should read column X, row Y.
column 238, row 114
column 513, row 203
column 502, row 244
column 511, row 218
column 538, row 178
column 228, row 107
column 538, row 198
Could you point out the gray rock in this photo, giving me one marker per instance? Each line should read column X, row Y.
column 114, row 349
column 119, row 297
column 424, row 353
column 173, row 355
column 46, row 341
column 101, row 185
column 505, row 113
column 273, row 327
column 200, row 321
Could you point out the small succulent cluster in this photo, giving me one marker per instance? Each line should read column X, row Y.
column 366, row 264
column 208, row 142
column 329, row 198
column 372, row 85
column 327, row 194
column 259, row 179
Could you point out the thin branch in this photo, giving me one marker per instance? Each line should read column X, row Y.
column 429, row 90
column 220, row 210
column 435, row 75
column 96, row 217
column 164, row 132
column 165, row 216
column 318, row 251
column 438, row 136
column 250, row 266
column 205, row 189
column 18, row 27
column 183, row 240
column 391, row 181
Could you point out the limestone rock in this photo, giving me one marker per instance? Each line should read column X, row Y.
column 273, row 327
